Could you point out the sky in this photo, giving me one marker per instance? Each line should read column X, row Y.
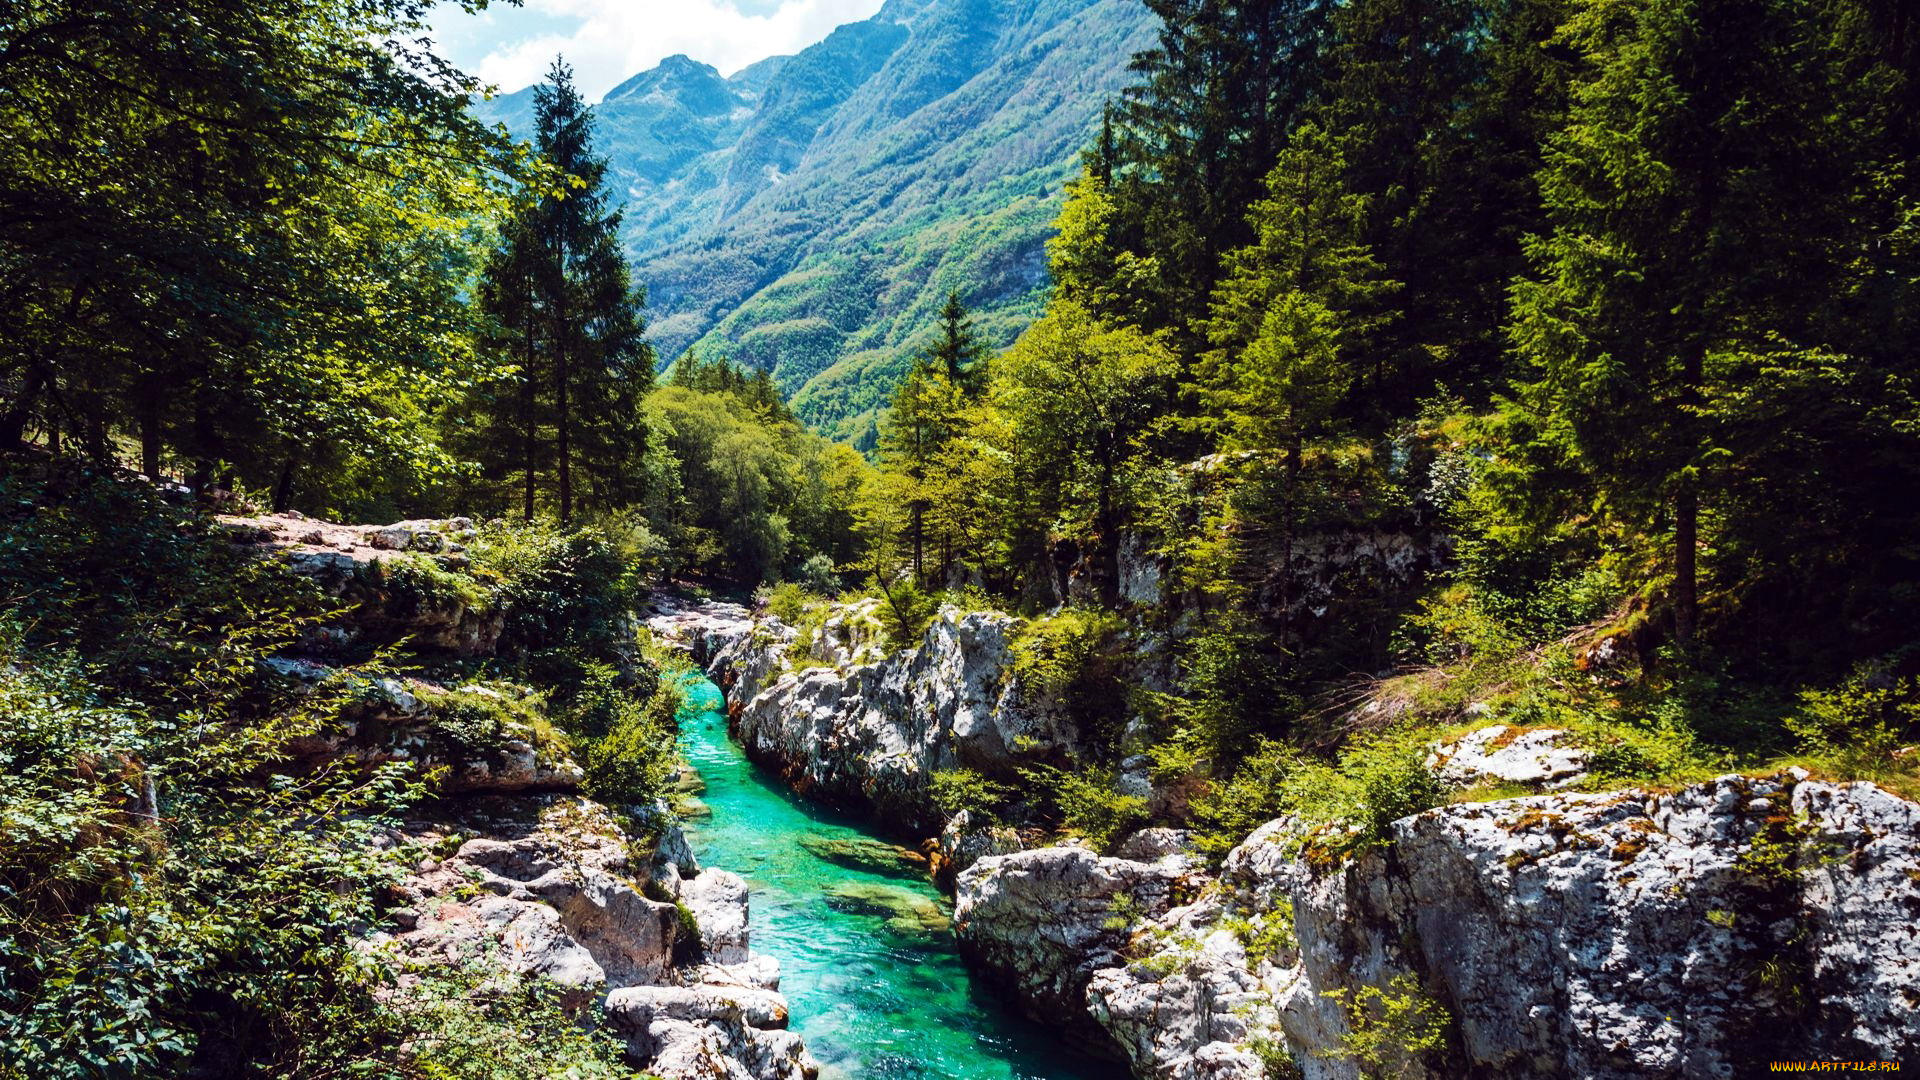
column 608, row 40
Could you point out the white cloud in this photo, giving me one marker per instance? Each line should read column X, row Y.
column 618, row 38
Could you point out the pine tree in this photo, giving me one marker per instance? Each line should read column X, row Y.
column 1290, row 319
column 560, row 285
column 1706, row 197
column 1218, row 97
column 958, row 351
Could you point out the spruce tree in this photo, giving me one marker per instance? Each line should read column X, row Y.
column 559, row 285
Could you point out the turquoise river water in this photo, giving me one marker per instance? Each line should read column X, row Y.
column 867, row 963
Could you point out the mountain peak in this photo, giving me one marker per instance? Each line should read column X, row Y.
column 693, row 85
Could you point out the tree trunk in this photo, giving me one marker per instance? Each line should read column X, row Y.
column 1686, row 540
column 203, row 441
column 529, row 444
column 13, row 424
column 152, row 410
column 1288, row 517
column 283, row 490
column 563, row 422
column 563, row 418
column 1108, row 526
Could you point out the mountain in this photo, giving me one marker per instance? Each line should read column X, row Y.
column 808, row 214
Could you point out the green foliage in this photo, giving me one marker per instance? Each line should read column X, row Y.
column 257, row 296
column 481, row 719
column 162, row 902
column 1855, row 728
column 755, row 497
column 905, row 612
column 1087, row 804
column 789, row 602
column 963, row 790
column 1268, row 935
column 566, row 594
column 1051, row 654
column 1073, row 660
column 634, row 762
column 568, row 322
column 1340, row 809
column 1391, row 1028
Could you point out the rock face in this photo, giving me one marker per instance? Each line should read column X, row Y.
column 869, row 730
column 1538, row 758
column 1042, row 922
column 383, row 572
column 548, row 888
column 406, row 720
column 1698, row 933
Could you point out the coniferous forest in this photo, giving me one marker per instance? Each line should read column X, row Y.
column 1398, row 365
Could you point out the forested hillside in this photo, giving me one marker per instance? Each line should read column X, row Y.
column 809, row 215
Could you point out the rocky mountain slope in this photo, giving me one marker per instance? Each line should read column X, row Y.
column 809, row 214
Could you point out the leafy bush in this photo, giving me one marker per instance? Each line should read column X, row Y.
column 905, row 611
column 1341, row 808
column 963, row 789
column 1855, row 728
column 567, row 596
column 789, row 602
column 1088, row 805
column 1071, row 659
column 635, row 761
column 159, row 902
column 482, row 719
column 818, row 576
column 414, row 582
column 1390, row 1029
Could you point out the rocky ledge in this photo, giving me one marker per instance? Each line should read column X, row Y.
column 552, row 887
column 1701, row 932
column 516, row 875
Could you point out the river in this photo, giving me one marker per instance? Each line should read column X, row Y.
column 867, row 962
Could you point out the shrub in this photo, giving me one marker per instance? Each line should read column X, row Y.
column 905, row 612
column 635, row 761
column 482, row 719
column 963, row 789
column 567, row 597
column 1071, row 659
column 1854, row 729
column 1390, row 1029
column 128, row 949
column 1087, row 804
column 817, row 576
column 789, row 602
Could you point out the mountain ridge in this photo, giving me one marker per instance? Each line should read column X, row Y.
column 809, row 214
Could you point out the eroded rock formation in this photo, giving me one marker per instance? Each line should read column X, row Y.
column 1701, row 932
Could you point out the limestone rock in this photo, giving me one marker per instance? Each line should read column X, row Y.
column 873, row 734
column 708, row 1032
column 551, row 895
column 1538, row 758
column 963, row 842
column 718, row 901
column 1042, row 922
column 1700, row 932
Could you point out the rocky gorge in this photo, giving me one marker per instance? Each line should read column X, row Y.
column 1699, row 931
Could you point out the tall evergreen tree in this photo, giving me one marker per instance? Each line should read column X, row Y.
column 560, row 285
column 1219, row 94
column 1716, row 209
column 957, row 351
